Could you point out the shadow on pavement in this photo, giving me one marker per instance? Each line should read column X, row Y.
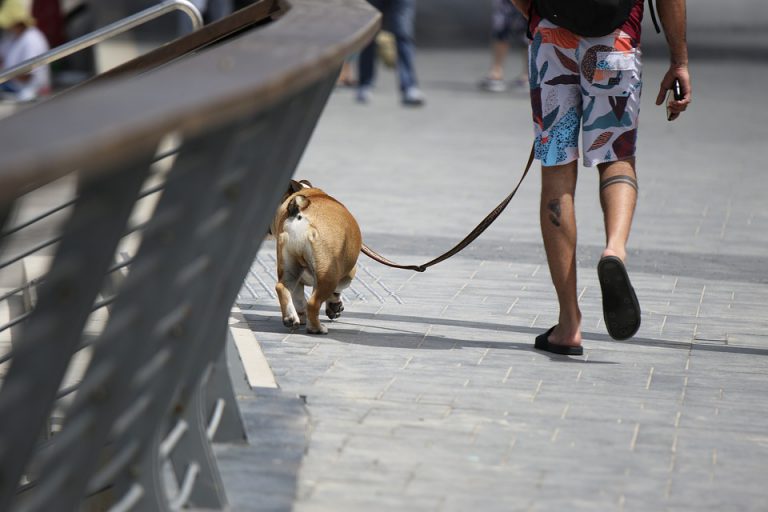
column 400, row 338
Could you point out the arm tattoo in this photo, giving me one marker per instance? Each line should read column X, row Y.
column 554, row 211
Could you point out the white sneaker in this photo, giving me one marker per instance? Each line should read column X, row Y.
column 363, row 95
column 493, row 84
column 413, row 97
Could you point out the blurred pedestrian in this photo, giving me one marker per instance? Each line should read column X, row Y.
column 593, row 82
column 210, row 10
column 21, row 41
column 399, row 20
column 217, row 9
column 508, row 28
column 347, row 74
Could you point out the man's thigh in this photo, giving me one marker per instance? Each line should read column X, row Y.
column 399, row 17
column 582, row 84
column 555, row 94
column 611, row 81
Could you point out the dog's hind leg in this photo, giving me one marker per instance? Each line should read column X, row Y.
column 286, row 288
column 322, row 291
column 299, row 299
column 334, row 306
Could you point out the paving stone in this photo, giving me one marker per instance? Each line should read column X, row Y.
column 427, row 393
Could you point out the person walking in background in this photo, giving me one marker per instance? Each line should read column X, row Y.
column 22, row 40
column 593, row 82
column 398, row 18
column 508, row 27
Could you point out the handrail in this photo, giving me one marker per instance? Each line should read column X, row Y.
column 241, row 99
column 105, row 33
column 99, row 123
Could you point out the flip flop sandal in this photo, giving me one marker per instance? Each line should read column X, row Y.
column 621, row 310
column 542, row 343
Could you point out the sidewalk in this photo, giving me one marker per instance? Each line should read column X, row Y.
column 428, row 395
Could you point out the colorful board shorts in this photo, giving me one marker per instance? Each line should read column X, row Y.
column 587, row 83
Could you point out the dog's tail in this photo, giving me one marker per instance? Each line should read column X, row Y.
column 297, row 204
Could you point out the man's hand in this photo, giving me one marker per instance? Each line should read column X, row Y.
column 675, row 107
column 673, row 19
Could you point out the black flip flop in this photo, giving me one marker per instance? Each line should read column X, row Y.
column 542, row 343
column 621, row 310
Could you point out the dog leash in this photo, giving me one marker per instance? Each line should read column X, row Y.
column 487, row 221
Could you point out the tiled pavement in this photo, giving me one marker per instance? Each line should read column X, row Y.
column 427, row 394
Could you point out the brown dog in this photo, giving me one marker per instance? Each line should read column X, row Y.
column 318, row 242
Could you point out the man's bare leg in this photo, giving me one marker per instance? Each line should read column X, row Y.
column 618, row 197
column 558, row 229
column 500, row 50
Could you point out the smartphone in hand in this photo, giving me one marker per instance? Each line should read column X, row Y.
column 677, row 93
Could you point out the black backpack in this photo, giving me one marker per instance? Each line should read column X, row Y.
column 590, row 18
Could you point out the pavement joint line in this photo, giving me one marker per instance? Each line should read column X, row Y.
column 650, row 378
column 538, row 388
column 635, row 435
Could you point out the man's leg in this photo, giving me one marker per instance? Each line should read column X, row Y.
column 366, row 61
column 500, row 51
column 558, row 229
column 403, row 12
column 366, row 64
column 501, row 24
column 618, row 197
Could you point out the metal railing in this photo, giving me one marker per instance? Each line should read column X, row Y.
column 117, row 355
column 103, row 34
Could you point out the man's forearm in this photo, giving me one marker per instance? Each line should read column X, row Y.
column 523, row 6
column 673, row 19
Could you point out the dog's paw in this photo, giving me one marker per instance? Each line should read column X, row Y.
column 291, row 322
column 334, row 309
column 321, row 329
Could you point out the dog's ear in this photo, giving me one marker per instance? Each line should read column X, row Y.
column 294, row 187
column 297, row 204
column 305, row 183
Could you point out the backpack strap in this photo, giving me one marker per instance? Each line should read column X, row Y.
column 653, row 17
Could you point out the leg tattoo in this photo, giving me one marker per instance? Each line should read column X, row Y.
column 613, row 180
column 554, row 211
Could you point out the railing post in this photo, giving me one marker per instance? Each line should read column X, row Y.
column 225, row 424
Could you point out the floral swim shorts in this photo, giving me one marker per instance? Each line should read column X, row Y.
column 587, row 83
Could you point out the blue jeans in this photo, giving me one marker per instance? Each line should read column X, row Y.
column 398, row 19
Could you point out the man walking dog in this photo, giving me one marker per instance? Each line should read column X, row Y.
column 585, row 74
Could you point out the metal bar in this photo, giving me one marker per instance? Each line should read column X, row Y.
column 129, row 500
column 144, row 193
column 30, row 284
column 213, row 425
column 36, row 248
column 103, row 303
column 67, row 391
column 38, row 218
column 172, row 439
column 105, row 33
column 15, row 321
column 186, row 487
column 166, row 154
